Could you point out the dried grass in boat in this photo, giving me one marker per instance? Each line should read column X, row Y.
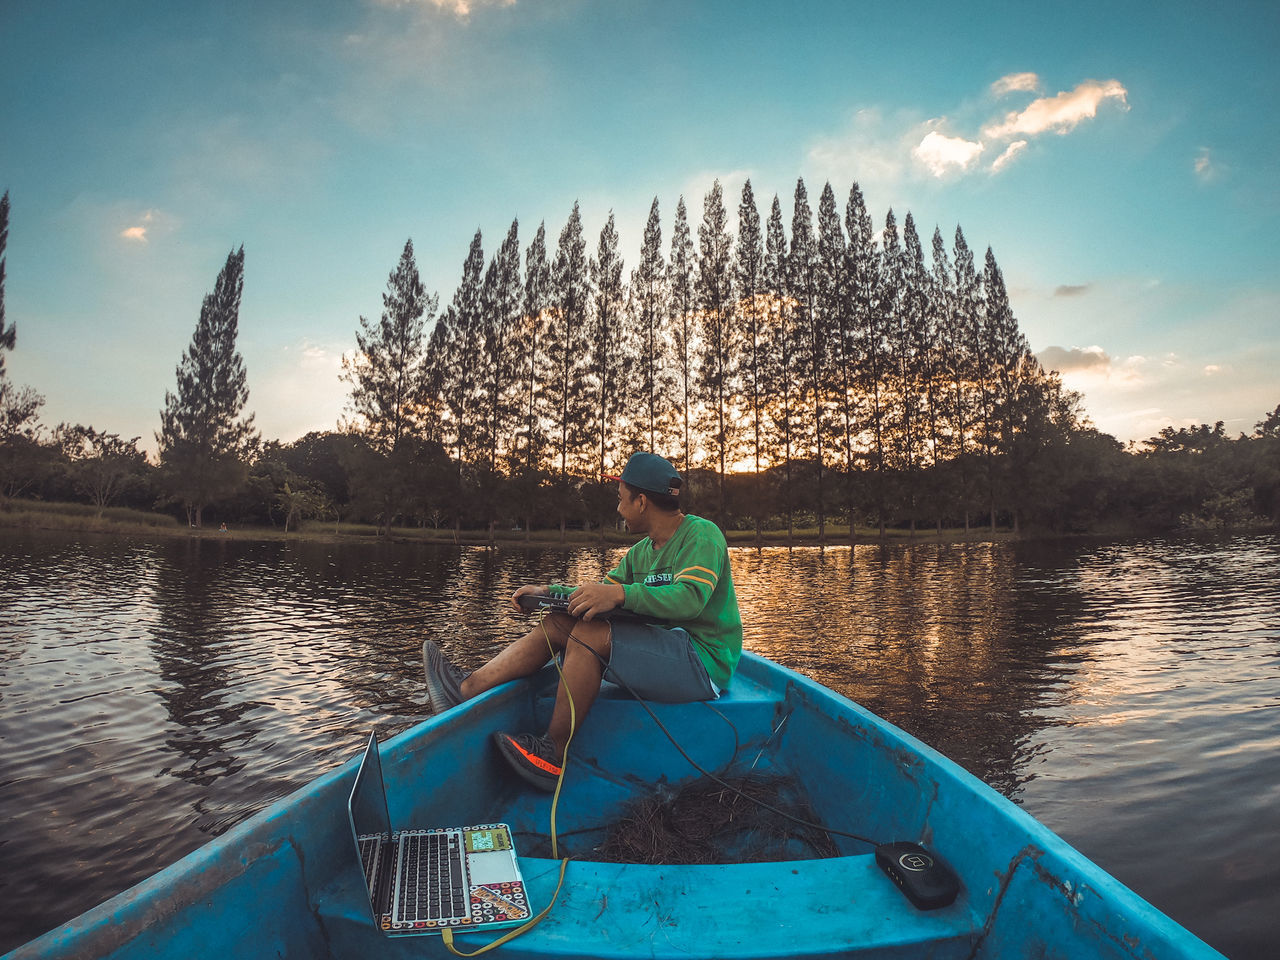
column 704, row 822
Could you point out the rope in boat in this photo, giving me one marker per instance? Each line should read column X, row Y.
column 809, row 824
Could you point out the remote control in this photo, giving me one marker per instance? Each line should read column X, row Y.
column 559, row 603
column 532, row 602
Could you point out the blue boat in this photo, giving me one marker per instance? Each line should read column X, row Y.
column 285, row 883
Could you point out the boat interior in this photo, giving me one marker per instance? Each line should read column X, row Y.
column 840, row 904
column 288, row 882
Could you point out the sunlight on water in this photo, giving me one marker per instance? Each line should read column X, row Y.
column 154, row 694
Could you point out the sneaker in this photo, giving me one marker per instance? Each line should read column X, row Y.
column 531, row 757
column 444, row 680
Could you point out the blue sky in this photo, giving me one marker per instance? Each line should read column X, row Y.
column 1121, row 163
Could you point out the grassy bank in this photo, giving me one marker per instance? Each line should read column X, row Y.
column 82, row 517
column 123, row 521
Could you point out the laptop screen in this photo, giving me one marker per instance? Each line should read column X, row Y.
column 368, row 796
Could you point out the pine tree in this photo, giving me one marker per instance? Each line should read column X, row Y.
column 495, row 378
column 680, row 266
column 649, row 290
column 501, row 299
column 203, row 441
column 528, row 348
column 8, row 334
column 716, row 367
column 828, row 345
column 948, row 357
column 529, row 343
column 910, row 344
column 460, row 356
column 610, row 343
column 810, row 346
column 781, row 371
column 566, row 400
column 21, row 453
column 387, row 372
column 865, row 340
column 752, row 321
column 390, row 377
column 435, row 374
column 894, row 378
column 876, row 366
column 1012, row 369
column 970, row 391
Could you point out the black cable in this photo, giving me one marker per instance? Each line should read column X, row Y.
column 693, row 763
column 737, row 741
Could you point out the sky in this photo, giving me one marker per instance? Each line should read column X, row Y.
column 1119, row 158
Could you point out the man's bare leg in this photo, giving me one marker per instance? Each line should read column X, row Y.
column 521, row 658
column 582, row 675
column 528, row 654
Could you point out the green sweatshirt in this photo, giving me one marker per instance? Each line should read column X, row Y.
column 687, row 583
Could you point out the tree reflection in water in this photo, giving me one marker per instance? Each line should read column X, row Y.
column 155, row 694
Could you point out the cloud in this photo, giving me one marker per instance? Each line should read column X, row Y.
column 1097, row 373
column 885, row 149
column 294, row 388
column 942, row 154
column 459, row 8
column 140, row 232
column 1206, row 169
column 1071, row 290
column 1060, row 114
column 409, row 65
column 1063, row 360
column 1016, row 83
column 877, row 148
column 1006, row 158
column 217, row 161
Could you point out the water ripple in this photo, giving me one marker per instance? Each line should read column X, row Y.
column 154, row 694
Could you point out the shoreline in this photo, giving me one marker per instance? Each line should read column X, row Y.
column 120, row 521
column 124, row 522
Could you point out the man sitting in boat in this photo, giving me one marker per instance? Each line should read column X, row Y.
column 677, row 576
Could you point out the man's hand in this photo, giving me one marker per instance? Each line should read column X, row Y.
column 537, row 589
column 593, row 599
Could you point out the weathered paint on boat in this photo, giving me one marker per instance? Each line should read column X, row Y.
column 284, row 883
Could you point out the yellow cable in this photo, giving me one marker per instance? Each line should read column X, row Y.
column 510, row 935
column 573, row 726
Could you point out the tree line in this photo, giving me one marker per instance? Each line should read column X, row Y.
column 826, row 373
column 834, row 370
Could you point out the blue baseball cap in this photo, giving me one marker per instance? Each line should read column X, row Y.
column 651, row 473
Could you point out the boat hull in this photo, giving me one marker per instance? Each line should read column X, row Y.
column 285, row 882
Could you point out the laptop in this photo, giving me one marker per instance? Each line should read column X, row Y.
column 421, row 881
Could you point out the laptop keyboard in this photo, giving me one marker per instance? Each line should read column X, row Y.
column 370, row 860
column 436, row 890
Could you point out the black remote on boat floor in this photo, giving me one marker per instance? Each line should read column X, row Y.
column 922, row 876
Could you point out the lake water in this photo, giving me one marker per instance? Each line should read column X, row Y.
column 153, row 694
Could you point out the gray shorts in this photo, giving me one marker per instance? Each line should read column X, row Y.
column 658, row 663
